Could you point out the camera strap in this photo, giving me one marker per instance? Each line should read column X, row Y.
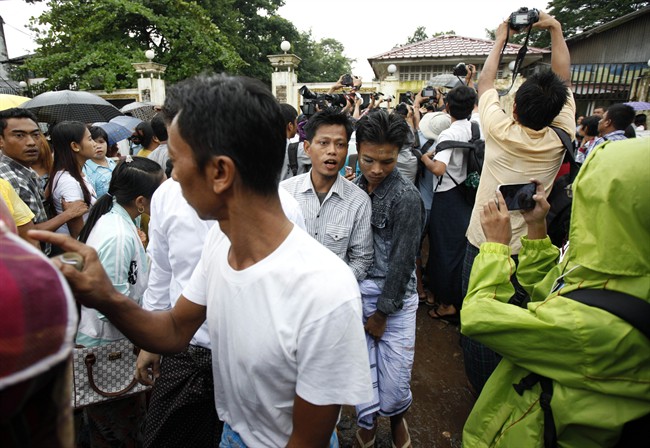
column 521, row 54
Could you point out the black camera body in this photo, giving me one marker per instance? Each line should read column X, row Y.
column 429, row 92
column 460, row 69
column 377, row 95
column 523, row 18
column 347, row 80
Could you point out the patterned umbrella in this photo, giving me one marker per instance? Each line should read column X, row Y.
column 116, row 132
column 128, row 122
column 142, row 110
column 71, row 105
column 639, row 105
column 8, row 101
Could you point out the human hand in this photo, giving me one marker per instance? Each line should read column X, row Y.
column 419, row 99
column 349, row 173
column 356, row 82
column 91, row 286
column 376, row 325
column 495, row 220
column 546, row 21
column 147, row 368
column 74, row 209
column 536, row 217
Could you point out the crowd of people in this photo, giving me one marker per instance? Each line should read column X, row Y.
column 270, row 278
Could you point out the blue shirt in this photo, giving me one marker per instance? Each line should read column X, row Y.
column 99, row 176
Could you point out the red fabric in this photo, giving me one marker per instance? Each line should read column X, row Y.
column 564, row 169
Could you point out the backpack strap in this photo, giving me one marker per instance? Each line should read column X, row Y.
column 292, row 151
column 631, row 309
column 452, row 144
column 476, row 131
column 527, row 383
column 569, row 151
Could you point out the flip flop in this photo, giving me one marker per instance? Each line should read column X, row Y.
column 368, row 444
column 408, row 435
column 449, row 318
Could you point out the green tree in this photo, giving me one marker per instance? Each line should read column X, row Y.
column 419, row 35
column 444, row 33
column 91, row 45
column 322, row 61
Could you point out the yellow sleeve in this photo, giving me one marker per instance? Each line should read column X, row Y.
column 20, row 212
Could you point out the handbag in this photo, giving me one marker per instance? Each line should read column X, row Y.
column 104, row 372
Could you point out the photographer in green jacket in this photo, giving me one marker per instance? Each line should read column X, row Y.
column 597, row 365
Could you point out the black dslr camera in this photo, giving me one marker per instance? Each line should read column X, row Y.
column 429, row 92
column 523, row 18
column 460, row 69
column 347, row 80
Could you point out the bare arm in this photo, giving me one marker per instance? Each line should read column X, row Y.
column 312, row 425
column 71, row 210
column 22, row 232
column 560, row 57
column 435, row 166
column 491, row 66
column 155, row 331
column 74, row 226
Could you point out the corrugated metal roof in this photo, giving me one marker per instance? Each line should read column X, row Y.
column 449, row 46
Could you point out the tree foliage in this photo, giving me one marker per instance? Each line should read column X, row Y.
column 322, row 61
column 419, row 35
column 92, row 44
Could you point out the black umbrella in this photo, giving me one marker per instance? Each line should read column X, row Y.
column 71, row 105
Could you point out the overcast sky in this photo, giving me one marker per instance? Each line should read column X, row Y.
column 366, row 28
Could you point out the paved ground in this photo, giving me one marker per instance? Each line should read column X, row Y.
column 442, row 398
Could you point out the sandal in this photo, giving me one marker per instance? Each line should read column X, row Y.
column 453, row 318
column 408, row 437
column 369, row 444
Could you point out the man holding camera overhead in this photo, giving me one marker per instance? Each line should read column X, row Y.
column 518, row 147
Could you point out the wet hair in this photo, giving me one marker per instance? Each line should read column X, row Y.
column 540, row 99
column 159, row 127
column 62, row 135
column 380, row 127
column 145, row 133
column 621, row 115
column 132, row 177
column 461, row 101
column 15, row 112
column 289, row 113
column 236, row 117
column 328, row 116
column 590, row 125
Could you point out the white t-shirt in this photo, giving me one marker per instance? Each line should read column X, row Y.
column 176, row 238
column 461, row 131
column 66, row 187
column 290, row 324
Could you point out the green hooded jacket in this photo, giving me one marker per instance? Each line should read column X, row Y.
column 599, row 364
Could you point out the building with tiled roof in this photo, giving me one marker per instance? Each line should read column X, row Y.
column 421, row 61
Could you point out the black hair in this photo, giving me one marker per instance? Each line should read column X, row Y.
column 380, row 127
column 540, row 99
column 62, row 135
column 289, row 113
column 236, row 117
column 621, row 115
column 132, row 177
column 15, row 112
column 461, row 101
column 159, row 127
column 328, row 116
column 98, row 132
column 640, row 119
column 144, row 131
column 590, row 125
column 402, row 109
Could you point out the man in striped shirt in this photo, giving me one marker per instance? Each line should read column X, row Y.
column 337, row 213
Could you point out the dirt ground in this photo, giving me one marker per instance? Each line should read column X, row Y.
column 442, row 398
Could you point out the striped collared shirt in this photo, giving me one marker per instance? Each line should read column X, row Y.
column 341, row 223
column 25, row 182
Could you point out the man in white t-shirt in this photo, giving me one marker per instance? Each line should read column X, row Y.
column 283, row 312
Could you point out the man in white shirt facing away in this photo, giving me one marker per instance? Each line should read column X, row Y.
column 283, row 312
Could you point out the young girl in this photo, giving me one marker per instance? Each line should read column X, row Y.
column 111, row 230
column 73, row 145
column 98, row 169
